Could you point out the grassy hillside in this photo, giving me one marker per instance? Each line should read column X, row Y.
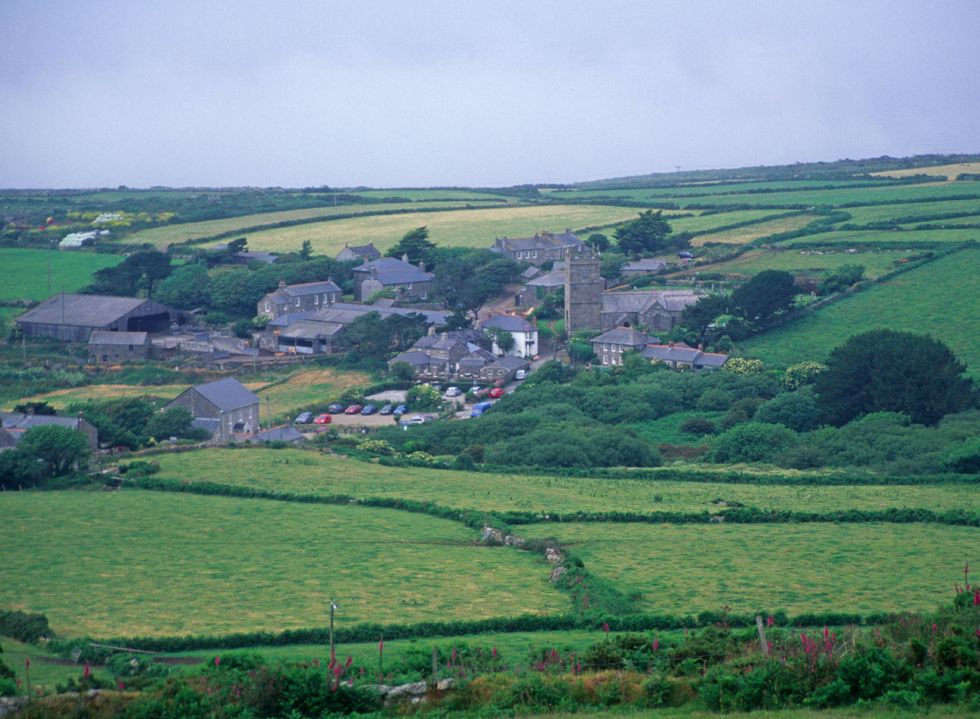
column 748, row 233
column 309, row 473
column 939, row 298
column 950, row 171
column 469, row 228
column 816, row 262
column 151, row 564
column 898, row 238
column 799, row 568
column 25, row 272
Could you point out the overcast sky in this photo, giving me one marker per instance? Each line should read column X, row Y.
column 404, row 93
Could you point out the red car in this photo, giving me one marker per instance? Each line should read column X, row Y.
column 323, row 419
column 353, row 409
column 496, row 393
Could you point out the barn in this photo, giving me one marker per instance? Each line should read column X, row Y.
column 73, row 318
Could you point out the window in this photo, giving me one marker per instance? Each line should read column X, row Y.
column 297, row 301
column 534, row 254
column 130, row 348
column 605, row 347
column 316, row 299
column 267, row 307
column 605, row 359
column 424, row 295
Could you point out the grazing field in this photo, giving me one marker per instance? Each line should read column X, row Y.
column 317, row 474
column 899, row 238
column 705, row 223
column 939, row 298
column 422, row 195
column 843, row 196
column 182, row 232
column 898, row 213
column 811, row 263
column 61, row 398
column 949, row 171
column 466, row 228
column 726, row 188
column 163, row 564
column 966, row 220
column 796, row 567
column 25, row 272
column 749, row 233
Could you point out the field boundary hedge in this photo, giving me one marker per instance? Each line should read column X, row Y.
column 476, row 519
column 524, row 623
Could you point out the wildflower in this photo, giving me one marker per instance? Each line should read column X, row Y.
column 27, row 662
column 605, row 627
column 976, row 598
column 770, row 621
column 120, row 685
column 934, row 628
column 217, row 661
column 86, row 672
column 495, row 652
column 656, row 644
column 350, row 660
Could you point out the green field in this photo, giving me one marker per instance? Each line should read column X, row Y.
column 899, row 238
column 325, row 475
column 884, row 213
column 141, row 563
column 467, row 228
column 844, row 196
column 796, row 567
column 749, row 233
column 704, row 223
column 25, row 272
column 695, row 190
column 814, row 262
column 182, row 232
column 949, row 222
column 939, row 298
column 422, row 195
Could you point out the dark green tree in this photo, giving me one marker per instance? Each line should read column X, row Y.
column 649, row 232
column 232, row 291
column 59, row 449
column 414, row 243
column 699, row 317
column 306, row 251
column 844, row 277
column 173, row 422
column 764, row 296
column 187, row 287
column 598, row 242
column 502, row 338
column 139, row 271
column 892, row 371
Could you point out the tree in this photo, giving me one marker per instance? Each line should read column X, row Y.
column 752, row 442
column 892, row 371
column 802, row 374
column 187, row 287
column 764, row 296
column 402, row 371
column 173, row 422
column 58, row 448
column 502, row 338
column 701, row 315
column 231, row 291
column 306, row 251
column 647, row 233
column 796, row 410
column 140, row 270
column 424, row 396
column 843, row 278
column 414, row 243
column 35, row 408
column 598, row 242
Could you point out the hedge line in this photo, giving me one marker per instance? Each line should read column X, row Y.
column 524, row 623
column 503, row 519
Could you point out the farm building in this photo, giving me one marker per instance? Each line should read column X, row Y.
column 118, row 346
column 245, row 256
column 408, row 282
column 305, row 297
column 17, row 423
column 73, row 318
column 224, row 408
column 543, row 247
column 358, row 253
column 679, row 355
column 647, row 266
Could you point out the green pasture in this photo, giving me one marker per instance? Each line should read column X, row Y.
column 182, row 232
column 47, row 669
column 843, row 196
column 305, row 472
column 706, row 223
column 25, row 272
column 755, row 231
column 938, row 298
column 449, row 228
column 944, row 223
column 693, row 190
column 815, row 262
column 796, row 567
column 898, row 238
column 885, row 213
column 145, row 563
column 426, row 195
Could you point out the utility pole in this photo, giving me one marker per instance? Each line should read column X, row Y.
column 333, row 655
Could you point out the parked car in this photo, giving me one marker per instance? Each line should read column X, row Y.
column 400, row 410
column 303, row 418
column 685, row 255
column 353, row 409
column 479, row 408
column 369, row 409
column 323, row 419
column 496, row 393
column 386, row 409
column 335, row 408
column 417, row 419
column 454, row 392
column 520, row 374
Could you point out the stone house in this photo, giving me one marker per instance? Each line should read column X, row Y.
column 543, row 247
column 224, row 408
column 112, row 347
column 655, row 310
column 678, row 355
column 610, row 346
column 646, row 266
column 358, row 253
column 524, row 333
column 17, row 423
column 304, row 297
column 408, row 282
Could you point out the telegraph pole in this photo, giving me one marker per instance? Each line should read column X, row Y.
column 333, row 608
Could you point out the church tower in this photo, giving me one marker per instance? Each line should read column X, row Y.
column 583, row 291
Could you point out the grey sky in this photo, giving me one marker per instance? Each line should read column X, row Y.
column 471, row 93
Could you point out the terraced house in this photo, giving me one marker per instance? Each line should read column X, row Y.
column 407, row 282
column 543, row 247
column 305, row 297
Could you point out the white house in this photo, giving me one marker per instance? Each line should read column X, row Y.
column 525, row 334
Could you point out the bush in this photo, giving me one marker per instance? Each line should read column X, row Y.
column 963, row 458
column 698, row 426
column 796, row 410
column 714, row 400
column 752, row 442
column 24, row 626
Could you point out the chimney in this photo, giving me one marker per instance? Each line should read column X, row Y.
column 700, row 347
column 282, row 283
column 405, row 258
column 432, row 331
column 422, row 265
column 670, row 344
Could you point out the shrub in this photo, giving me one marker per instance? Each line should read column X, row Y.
column 752, row 442
column 24, row 626
column 963, row 458
column 802, row 374
column 743, row 366
column 796, row 410
column 714, row 400
column 698, row 426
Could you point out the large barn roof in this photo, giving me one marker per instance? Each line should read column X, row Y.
column 227, row 393
column 82, row 310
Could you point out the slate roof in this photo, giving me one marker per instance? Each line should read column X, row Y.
column 277, row 434
column 512, row 363
column 18, row 420
column 82, row 310
column 99, row 337
column 310, row 288
column 672, row 353
column 437, row 342
column 7, row 439
column 392, row 271
column 531, row 272
column 344, row 313
column 623, row 336
column 306, row 329
column 554, row 278
column 368, row 250
column 227, row 394
column 712, row 359
column 541, row 241
column 416, row 358
column 510, row 323
column 642, row 301
column 647, row 264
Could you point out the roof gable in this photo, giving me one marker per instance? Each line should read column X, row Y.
column 227, row 394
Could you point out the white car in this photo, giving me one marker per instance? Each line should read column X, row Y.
column 417, row 419
column 454, row 392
